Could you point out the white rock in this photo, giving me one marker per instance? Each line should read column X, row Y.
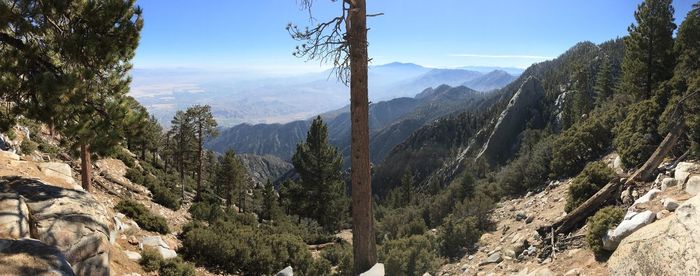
column 683, row 170
column 693, row 185
column 376, row 270
column 133, row 256
column 158, row 243
column 287, row 271
column 650, row 195
column 492, row 259
column 9, row 155
column 613, row 238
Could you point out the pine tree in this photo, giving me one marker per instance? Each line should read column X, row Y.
column 687, row 74
column 603, row 82
column 270, row 203
column 233, row 179
column 582, row 102
column 182, row 133
column 319, row 166
column 204, row 127
column 407, row 183
column 649, row 57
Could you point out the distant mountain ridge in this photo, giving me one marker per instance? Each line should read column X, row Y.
column 390, row 123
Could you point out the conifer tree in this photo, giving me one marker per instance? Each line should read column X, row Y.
column 270, row 203
column 687, row 74
column 204, row 127
column 182, row 133
column 232, row 178
column 649, row 57
column 603, row 82
column 319, row 166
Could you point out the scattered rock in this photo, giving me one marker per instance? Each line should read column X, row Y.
column 662, row 214
column 133, row 256
column 492, row 259
column 287, row 271
column 627, row 227
column 133, row 240
column 529, row 219
column 668, row 182
column 520, row 216
column 692, row 186
column 156, row 242
column 670, row 204
column 573, row 272
column 376, row 270
column 543, row 271
column 649, row 196
column 32, row 257
column 9, row 155
column 666, row 247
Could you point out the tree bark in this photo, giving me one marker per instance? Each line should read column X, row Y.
column 200, row 168
column 364, row 247
column 85, row 167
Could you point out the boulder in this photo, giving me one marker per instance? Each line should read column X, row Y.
column 684, row 169
column 157, row 243
column 287, row 271
column 133, row 256
column 494, row 258
column 649, row 196
column 69, row 219
column 666, row 247
column 376, row 270
column 626, row 228
column 668, row 182
column 58, row 170
column 32, row 257
column 670, row 204
column 692, row 186
column 14, row 217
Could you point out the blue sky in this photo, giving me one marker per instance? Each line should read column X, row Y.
column 250, row 34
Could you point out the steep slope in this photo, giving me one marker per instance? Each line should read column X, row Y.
column 261, row 139
column 264, row 168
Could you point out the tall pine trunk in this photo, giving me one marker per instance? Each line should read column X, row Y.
column 364, row 247
column 85, row 166
column 200, row 166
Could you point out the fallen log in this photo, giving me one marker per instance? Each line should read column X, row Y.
column 611, row 192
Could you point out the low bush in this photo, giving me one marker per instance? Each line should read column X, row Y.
column 162, row 194
column 28, row 146
column 457, row 236
column 142, row 216
column 413, row 255
column 11, row 134
column 598, row 225
column 151, row 261
column 636, row 137
column 587, row 183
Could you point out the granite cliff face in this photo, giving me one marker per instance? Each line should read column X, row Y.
column 521, row 109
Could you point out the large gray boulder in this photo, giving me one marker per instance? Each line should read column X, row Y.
column 512, row 121
column 666, row 247
column 69, row 219
column 684, row 169
column 14, row 216
column 376, row 270
column 157, row 243
column 32, row 257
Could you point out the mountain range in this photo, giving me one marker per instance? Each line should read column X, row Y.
column 241, row 97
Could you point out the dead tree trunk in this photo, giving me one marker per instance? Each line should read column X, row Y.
column 364, row 248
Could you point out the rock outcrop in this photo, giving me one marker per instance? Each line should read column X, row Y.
column 513, row 120
column 666, row 247
column 70, row 220
column 32, row 257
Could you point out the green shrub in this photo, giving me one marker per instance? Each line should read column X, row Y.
column 244, row 249
column 48, row 148
column 338, row 254
column 134, row 175
column 574, row 148
column 176, row 267
column 28, row 146
column 457, row 236
column 142, row 216
column 11, row 134
column 161, row 194
column 150, row 260
column 122, row 155
column 636, row 137
column 401, row 222
column 413, row 255
column 598, row 225
column 587, row 183
column 319, row 266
